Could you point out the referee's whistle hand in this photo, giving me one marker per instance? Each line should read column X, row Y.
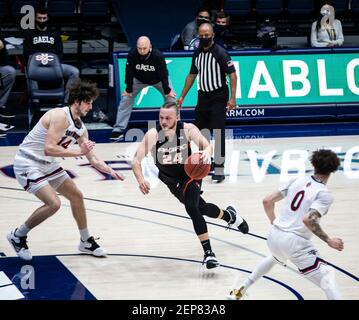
column 231, row 104
column 125, row 93
column 179, row 101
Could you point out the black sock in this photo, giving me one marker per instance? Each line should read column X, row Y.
column 226, row 216
column 206, row 245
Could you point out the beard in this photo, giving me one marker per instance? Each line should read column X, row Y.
column 170, row 127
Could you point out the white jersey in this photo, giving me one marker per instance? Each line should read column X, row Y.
column 301, row 195
column 34, row 143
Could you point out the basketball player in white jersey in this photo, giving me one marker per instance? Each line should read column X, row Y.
column 38, row 172
column 307, row 200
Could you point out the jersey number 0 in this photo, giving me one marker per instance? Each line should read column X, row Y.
column 297, row 200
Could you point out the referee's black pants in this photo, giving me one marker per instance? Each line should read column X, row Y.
column 210, row 114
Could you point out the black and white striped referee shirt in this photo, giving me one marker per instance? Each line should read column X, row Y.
column 211, row 66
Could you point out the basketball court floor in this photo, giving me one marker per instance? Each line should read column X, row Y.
column 153, row 250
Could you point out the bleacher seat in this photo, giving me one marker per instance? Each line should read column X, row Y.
column 62, row 8
column 269, row 7
column 237, row 7
column 94, row 8
column 301, row 7
column 45, row 83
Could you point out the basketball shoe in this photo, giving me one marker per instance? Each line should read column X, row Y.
column 236, row 220
column 236, row 294
column 210, row 260
column 20, row 245
column 90, row 246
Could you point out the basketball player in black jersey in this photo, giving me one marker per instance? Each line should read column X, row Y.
column 169, row 144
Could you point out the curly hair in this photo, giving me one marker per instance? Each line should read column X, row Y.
column 83, row 90
column 325, row 161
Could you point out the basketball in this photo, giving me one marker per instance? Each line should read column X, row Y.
column 195, row 167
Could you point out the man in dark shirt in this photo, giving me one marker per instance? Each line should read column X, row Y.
column 170, row 145
column 212, row 64
column 190, row 31
column 7, row 80
column 45, row 39
column 145, row 67
column 222, row 35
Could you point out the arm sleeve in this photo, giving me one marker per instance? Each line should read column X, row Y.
column 129, row 73
column 226, row 63
column 194, row 69
column 322, row 202
column 283, row 189
column 163, row 74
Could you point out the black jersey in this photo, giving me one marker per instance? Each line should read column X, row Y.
column 170, row 155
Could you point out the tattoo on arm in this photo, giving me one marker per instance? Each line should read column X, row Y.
column 315, row 227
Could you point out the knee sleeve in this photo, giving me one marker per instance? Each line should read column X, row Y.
column 198, row 221
column 191, row 201
column 208, row 209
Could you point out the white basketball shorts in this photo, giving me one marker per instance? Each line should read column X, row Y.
column 289, row 246
column 33, row 175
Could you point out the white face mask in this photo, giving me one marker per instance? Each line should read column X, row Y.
column 325, row 12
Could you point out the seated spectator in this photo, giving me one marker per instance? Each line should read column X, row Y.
column 45, row 39
column 327, row 31
column 7, row 80
column 222, row 34
column 190, row 31
column 267, row 34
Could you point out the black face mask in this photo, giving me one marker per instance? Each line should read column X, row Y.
column 201, row 20
column 219, row 28
column 146, row 56
column 42, row 24
column 205, row 42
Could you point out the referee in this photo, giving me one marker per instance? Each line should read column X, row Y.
column 212, row 63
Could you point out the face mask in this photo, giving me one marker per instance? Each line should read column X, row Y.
column 205, row 42
column 145, row 56
column 42, row 24
column 201, row 20
column 219, row 28
column 325, row 12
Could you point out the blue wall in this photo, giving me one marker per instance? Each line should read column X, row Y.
column 160, row 20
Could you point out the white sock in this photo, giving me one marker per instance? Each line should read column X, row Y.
column 243, row 284
column 84, row 234
column 260, row 270
column 22, row 231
